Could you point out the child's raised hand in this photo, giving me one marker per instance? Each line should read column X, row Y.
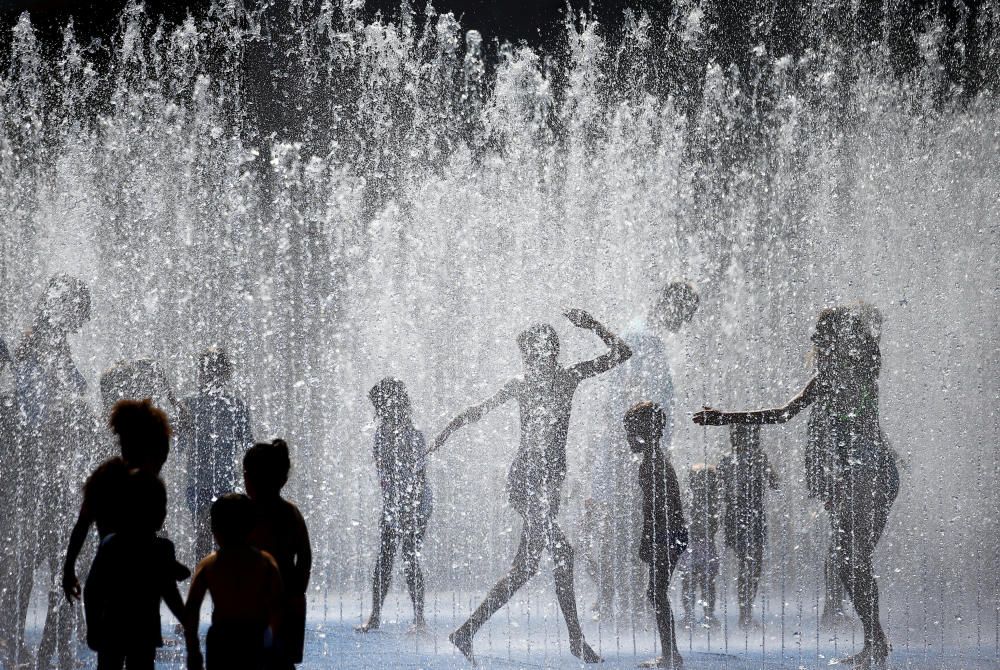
column 708, row 417
column 581, row 318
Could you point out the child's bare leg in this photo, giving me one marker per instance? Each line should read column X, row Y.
column 659, row 595
column 414, row 575
column 382, row 577
column 688, row 588
column 562, row 552
column 708, row 592
column 524, row 567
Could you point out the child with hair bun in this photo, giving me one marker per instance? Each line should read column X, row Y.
column 280, row 530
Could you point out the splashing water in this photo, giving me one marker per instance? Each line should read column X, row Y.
column 341, row 201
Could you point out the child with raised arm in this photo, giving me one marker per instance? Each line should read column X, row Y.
column 699, row 565
column 849, row 464
column 746, row 474
column 406, row 497
column 133, row 571
column 280, row 530
column 246, row 591
column 664, row 533
column 534, row 482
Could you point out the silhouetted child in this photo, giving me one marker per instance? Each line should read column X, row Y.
column 745, row 476
column 280, row 530
column 56, row 426
column 144, row 435
column 246, row 591
column 664, row 533
column 133, row 571
column 406, row 497
column 215, row 435
column 699, row 565
column 544, row 396
column 849, row 464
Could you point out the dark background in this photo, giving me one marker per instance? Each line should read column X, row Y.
column 735, row 24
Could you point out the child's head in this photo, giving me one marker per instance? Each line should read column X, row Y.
column 65, row 305
column 539, row 345
column 703, row 478
column 644, row 424
column 145, row 503
column 676, row 305
column 847, row 338
column 143, row 432
column 232, row 519
column 214, row 369
column 744, row 438
column 265, row 468
column 390, row 399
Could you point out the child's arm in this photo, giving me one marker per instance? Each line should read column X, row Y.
column 473, row 414
column 169, row 592
column 303, row 553
column 714, row 417
column 618, row 353
column 70, row 583
column 192, row 613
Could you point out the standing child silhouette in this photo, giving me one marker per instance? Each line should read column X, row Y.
column 849, row 464
column 133, row 571
column 664, row 533
column 280, row 530
column 406, row 498
column 246, row 591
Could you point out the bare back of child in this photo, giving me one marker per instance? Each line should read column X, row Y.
column 246, row 591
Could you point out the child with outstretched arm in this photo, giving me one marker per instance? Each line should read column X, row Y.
column 406, row 498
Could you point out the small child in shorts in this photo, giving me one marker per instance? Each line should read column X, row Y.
column 664, row 533
column 699, row 566
column 245, row 586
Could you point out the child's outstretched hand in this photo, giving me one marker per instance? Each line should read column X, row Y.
column 581, row 319
column 708, row 417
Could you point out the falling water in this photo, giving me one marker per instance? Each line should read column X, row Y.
column 338, row 201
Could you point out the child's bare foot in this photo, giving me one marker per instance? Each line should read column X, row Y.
column 582, row 651
column 871, row 657
column 673, row 661
column 373, row 623
column 419, row 627
column 462, row 639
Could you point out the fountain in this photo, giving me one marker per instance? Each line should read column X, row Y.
column 345, row 199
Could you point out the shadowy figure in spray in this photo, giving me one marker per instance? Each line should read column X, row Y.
column 614, row 504
column 280, row 530
column 406, row 498
column 849, row 464
column 545, row 399
column 664, row 532
column 144, row 435
column 215, row 435
column 699, row 565
column 134, row 571
column 56, row 430
column 138, row 379
column 246, row 591
column 745, row 475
